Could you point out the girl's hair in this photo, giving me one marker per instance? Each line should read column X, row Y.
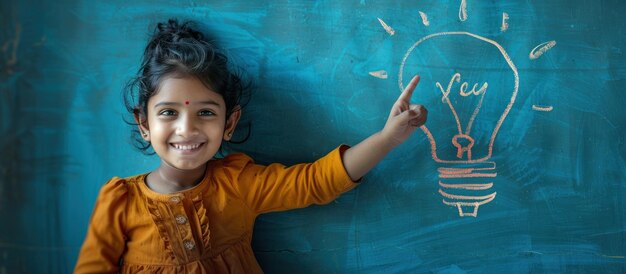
column 177, row 50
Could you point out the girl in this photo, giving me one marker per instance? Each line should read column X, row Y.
column 194, row 213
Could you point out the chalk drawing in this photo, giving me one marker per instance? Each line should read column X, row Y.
column 541, row 49
column 542, row 108
column 508, row 106
column 463, row 10
column 387, row 28
column 457, row 170
column 454, row 173
column 467, row 186
column 424, row 19
column 382, row 74
column 463, row 89
column 505, row 24
column 463, row 92
column 479, row 200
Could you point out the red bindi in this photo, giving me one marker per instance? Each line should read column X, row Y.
column 186, row 102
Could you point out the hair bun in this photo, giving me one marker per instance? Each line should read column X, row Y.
column 173, row 31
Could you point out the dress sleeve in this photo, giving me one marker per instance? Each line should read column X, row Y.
column 276, row 187
column 105, row 240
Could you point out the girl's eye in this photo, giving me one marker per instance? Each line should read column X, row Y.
column 206, row 113
column 167, row 112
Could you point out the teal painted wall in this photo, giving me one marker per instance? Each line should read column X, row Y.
column 559, row 176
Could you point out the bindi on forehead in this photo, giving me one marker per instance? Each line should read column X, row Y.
column 186, row 103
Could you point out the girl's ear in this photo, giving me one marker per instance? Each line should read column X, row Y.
column 142, row 124
column 231, row 123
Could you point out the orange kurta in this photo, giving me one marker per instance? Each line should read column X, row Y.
column 205, row 229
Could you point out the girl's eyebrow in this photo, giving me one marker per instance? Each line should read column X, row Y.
column 208, row 102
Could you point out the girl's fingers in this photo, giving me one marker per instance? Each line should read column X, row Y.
column 421, row 114
column 413, row 113
column 406, row 94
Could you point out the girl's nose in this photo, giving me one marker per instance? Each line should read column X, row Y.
column 186, row 126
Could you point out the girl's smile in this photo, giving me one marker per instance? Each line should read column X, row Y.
column 187, row 148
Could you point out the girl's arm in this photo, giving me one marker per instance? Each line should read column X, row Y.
column 105, row 240
column 403, row 120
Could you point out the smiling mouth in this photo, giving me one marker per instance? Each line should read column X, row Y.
column 186, row 147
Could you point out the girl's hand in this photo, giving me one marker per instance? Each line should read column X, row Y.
column 405, row 117
column 403, row 120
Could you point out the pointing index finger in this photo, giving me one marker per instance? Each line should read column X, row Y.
column 408, row 91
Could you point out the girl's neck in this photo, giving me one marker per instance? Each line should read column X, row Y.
column 168, row 179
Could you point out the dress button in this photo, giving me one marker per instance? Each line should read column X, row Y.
column 180, row 219
column 189, row 245
column 175, row 200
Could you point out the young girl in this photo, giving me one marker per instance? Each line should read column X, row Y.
column 194, row 213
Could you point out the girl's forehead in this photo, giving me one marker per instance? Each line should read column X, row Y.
column 185, row 91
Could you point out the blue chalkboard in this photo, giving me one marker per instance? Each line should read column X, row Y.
column 520, row 168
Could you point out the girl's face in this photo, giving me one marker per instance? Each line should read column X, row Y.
column 186, row 122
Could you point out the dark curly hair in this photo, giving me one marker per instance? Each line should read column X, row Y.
column 177, row 50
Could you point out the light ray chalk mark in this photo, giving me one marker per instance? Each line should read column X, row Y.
column 381, row 74
column 387, row 28
column 424, row 19
column 463, row 11
column 505, row 24
column 542, row 108
column 541, row 49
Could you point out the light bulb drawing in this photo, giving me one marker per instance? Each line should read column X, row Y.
column 471, row 84
column 463, row 172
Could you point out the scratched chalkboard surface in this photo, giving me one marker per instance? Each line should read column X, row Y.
column 520, row 168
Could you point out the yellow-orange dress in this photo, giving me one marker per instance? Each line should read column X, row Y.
column 205, row 229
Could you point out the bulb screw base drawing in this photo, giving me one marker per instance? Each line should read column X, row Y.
column 467, row 197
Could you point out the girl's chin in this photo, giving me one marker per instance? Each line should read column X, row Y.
column 185, row 165
column 176, row 160
column 191, row 165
